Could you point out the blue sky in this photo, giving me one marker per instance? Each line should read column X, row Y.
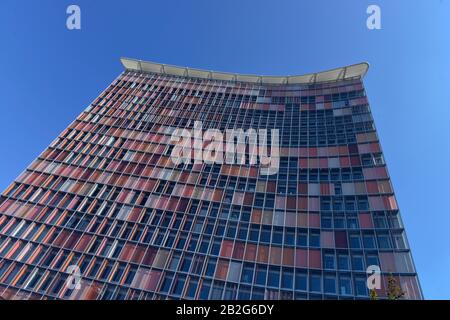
column 50, row 74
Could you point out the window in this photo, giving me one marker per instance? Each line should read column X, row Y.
column 210, row 268
column 234, row 271
column 337, row 189
column 315, row 283
column 261, row 274
column 329, row 284
column 314, row 239
column 254, row 232
column 380, row 221
column 363, row 204
column 174, row 262
column 366, row 159
column 215, row 247
column 161, row 258
column 118, row 273
column 277, row 237
column 220, row 229
column 130, row 276
column 335, row 174
column 328, row 261
column 59, row 284
column 346, row 176
column 217, row 291
column 273, row 279
column 198, row 226
column 105, row 272
column 265, row 234
column 360, row 287
column 247, row 273
column 300, row 281
column 244, row 293
column 378, row 159
column 337, row 205
column 243, row 232
column 95, row 268
column 258, row 294
column 349, row 205
column 352, row 222
column 186, row 263
column 384, row 241
column 372, row 260
column 166, row 283
column 343, row 262
column 241, row 185
column 339, row 222
column 204, row 291
column 287, row 279
column 358, row 263
column 355, row 241
column 325, row 205
column 399, row 241
column 129, row 155
column 345, row 286
column 204, row 245
column 369, row 241
column 235, row 213
column 394, row 222
column 289, row 237
column 259, row 199
column 326, row 222
column 302, row 239
column 230, row 291
column 178, row 286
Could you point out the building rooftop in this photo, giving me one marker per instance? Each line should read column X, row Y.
column 342, row 73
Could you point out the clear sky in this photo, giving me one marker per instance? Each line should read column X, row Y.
column 50, row 74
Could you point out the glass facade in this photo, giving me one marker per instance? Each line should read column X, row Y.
column 106, row 197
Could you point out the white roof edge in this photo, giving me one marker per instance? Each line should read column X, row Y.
column 342, row 73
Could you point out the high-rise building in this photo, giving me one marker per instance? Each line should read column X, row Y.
column 106, row 213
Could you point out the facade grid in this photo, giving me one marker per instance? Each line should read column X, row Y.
column 106, row 197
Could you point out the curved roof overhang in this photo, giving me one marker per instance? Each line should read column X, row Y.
column 342, row 73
